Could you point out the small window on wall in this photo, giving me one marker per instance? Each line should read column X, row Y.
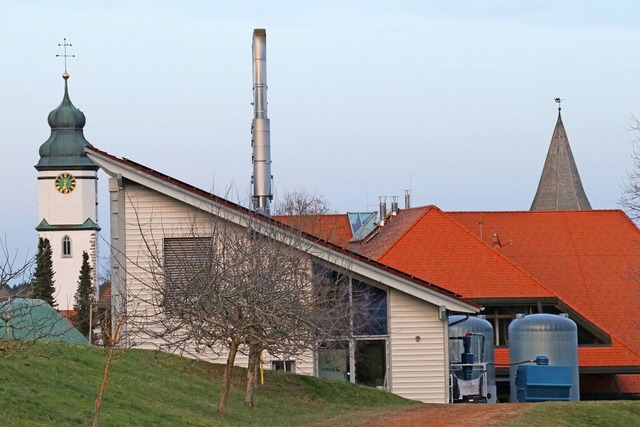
column 66, row 246
column 283, row 365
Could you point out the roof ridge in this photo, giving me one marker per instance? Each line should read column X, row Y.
column 546, row 212
column 582, row 276
column 427, row 209
column 168, row 180
column 623, row 344
column 517, row 267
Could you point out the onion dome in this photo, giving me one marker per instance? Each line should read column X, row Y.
column 65, row 147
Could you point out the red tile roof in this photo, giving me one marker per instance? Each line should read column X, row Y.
column 627, row 383
column 321, row 239
column 587, row 260
column 436, row 247
column 105, row 292
column 334, row 228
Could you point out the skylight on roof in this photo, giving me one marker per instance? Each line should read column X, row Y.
column 362, row 223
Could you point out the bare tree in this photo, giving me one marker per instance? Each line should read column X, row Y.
column 311, row 213
column 114, row 350
column 630, row 198
column 224, row 289
column 13, row 266
column 302, row 203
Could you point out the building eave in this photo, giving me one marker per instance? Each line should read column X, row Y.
column 88, row 224
column 123, row 169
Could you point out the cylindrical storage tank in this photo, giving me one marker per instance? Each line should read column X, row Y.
column 555, row 336
column 459, row 326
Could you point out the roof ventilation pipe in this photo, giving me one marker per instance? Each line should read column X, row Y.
column 407, row 199
column 383, row 210
column 394, row 205
column 260, row 129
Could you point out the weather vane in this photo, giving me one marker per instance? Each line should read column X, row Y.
column 559, row 102
column 65, row 56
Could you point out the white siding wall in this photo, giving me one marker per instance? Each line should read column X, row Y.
column 149, row 218
column 155, row 217
column 417, row 368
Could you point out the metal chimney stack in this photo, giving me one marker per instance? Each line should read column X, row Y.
column 383, row 210
column 394, row 205
column 260, row 135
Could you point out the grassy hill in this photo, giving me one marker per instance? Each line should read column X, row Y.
column 56, row 384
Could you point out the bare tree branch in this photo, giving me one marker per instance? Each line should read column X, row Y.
column 630, row 198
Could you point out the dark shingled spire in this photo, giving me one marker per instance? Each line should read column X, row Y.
column 560, row 187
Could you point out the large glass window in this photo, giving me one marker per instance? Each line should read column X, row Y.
column 366, row 304
column 362, row 361
column 369, row 309
column 371, row 366
column 361, row 357
column 333, row 360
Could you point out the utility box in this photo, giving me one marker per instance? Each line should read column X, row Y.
column 541, row 383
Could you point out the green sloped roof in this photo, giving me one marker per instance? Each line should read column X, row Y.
column 65, row 147
column 34, row 319
column 88, row 224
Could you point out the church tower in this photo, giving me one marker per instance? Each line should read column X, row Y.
column 560, row 187
column 67, row 198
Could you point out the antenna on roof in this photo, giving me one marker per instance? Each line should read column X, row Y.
column 559, row 102
column 64, row 44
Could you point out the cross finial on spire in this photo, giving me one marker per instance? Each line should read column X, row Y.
column 559, row 102
column 65, row 56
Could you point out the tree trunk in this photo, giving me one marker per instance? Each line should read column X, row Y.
column 226, row 379
column 252, row 374
column 114, row 340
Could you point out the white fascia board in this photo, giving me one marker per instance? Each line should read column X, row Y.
column 115, row 168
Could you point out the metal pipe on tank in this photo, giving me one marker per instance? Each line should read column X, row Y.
column 260, row 128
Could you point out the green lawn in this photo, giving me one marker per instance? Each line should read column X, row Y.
column 596, row 413
column 56, row 384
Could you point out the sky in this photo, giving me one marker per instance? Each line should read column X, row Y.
column 452, row 100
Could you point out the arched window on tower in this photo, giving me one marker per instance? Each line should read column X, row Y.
column 66, row 246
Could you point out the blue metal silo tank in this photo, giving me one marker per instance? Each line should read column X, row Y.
column 555, row 336
column 459, row 326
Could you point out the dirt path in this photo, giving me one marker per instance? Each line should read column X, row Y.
column 434, row 415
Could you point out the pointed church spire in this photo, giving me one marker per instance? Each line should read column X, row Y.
column 560, row 187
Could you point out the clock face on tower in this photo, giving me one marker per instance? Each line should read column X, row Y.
column 65, row 183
